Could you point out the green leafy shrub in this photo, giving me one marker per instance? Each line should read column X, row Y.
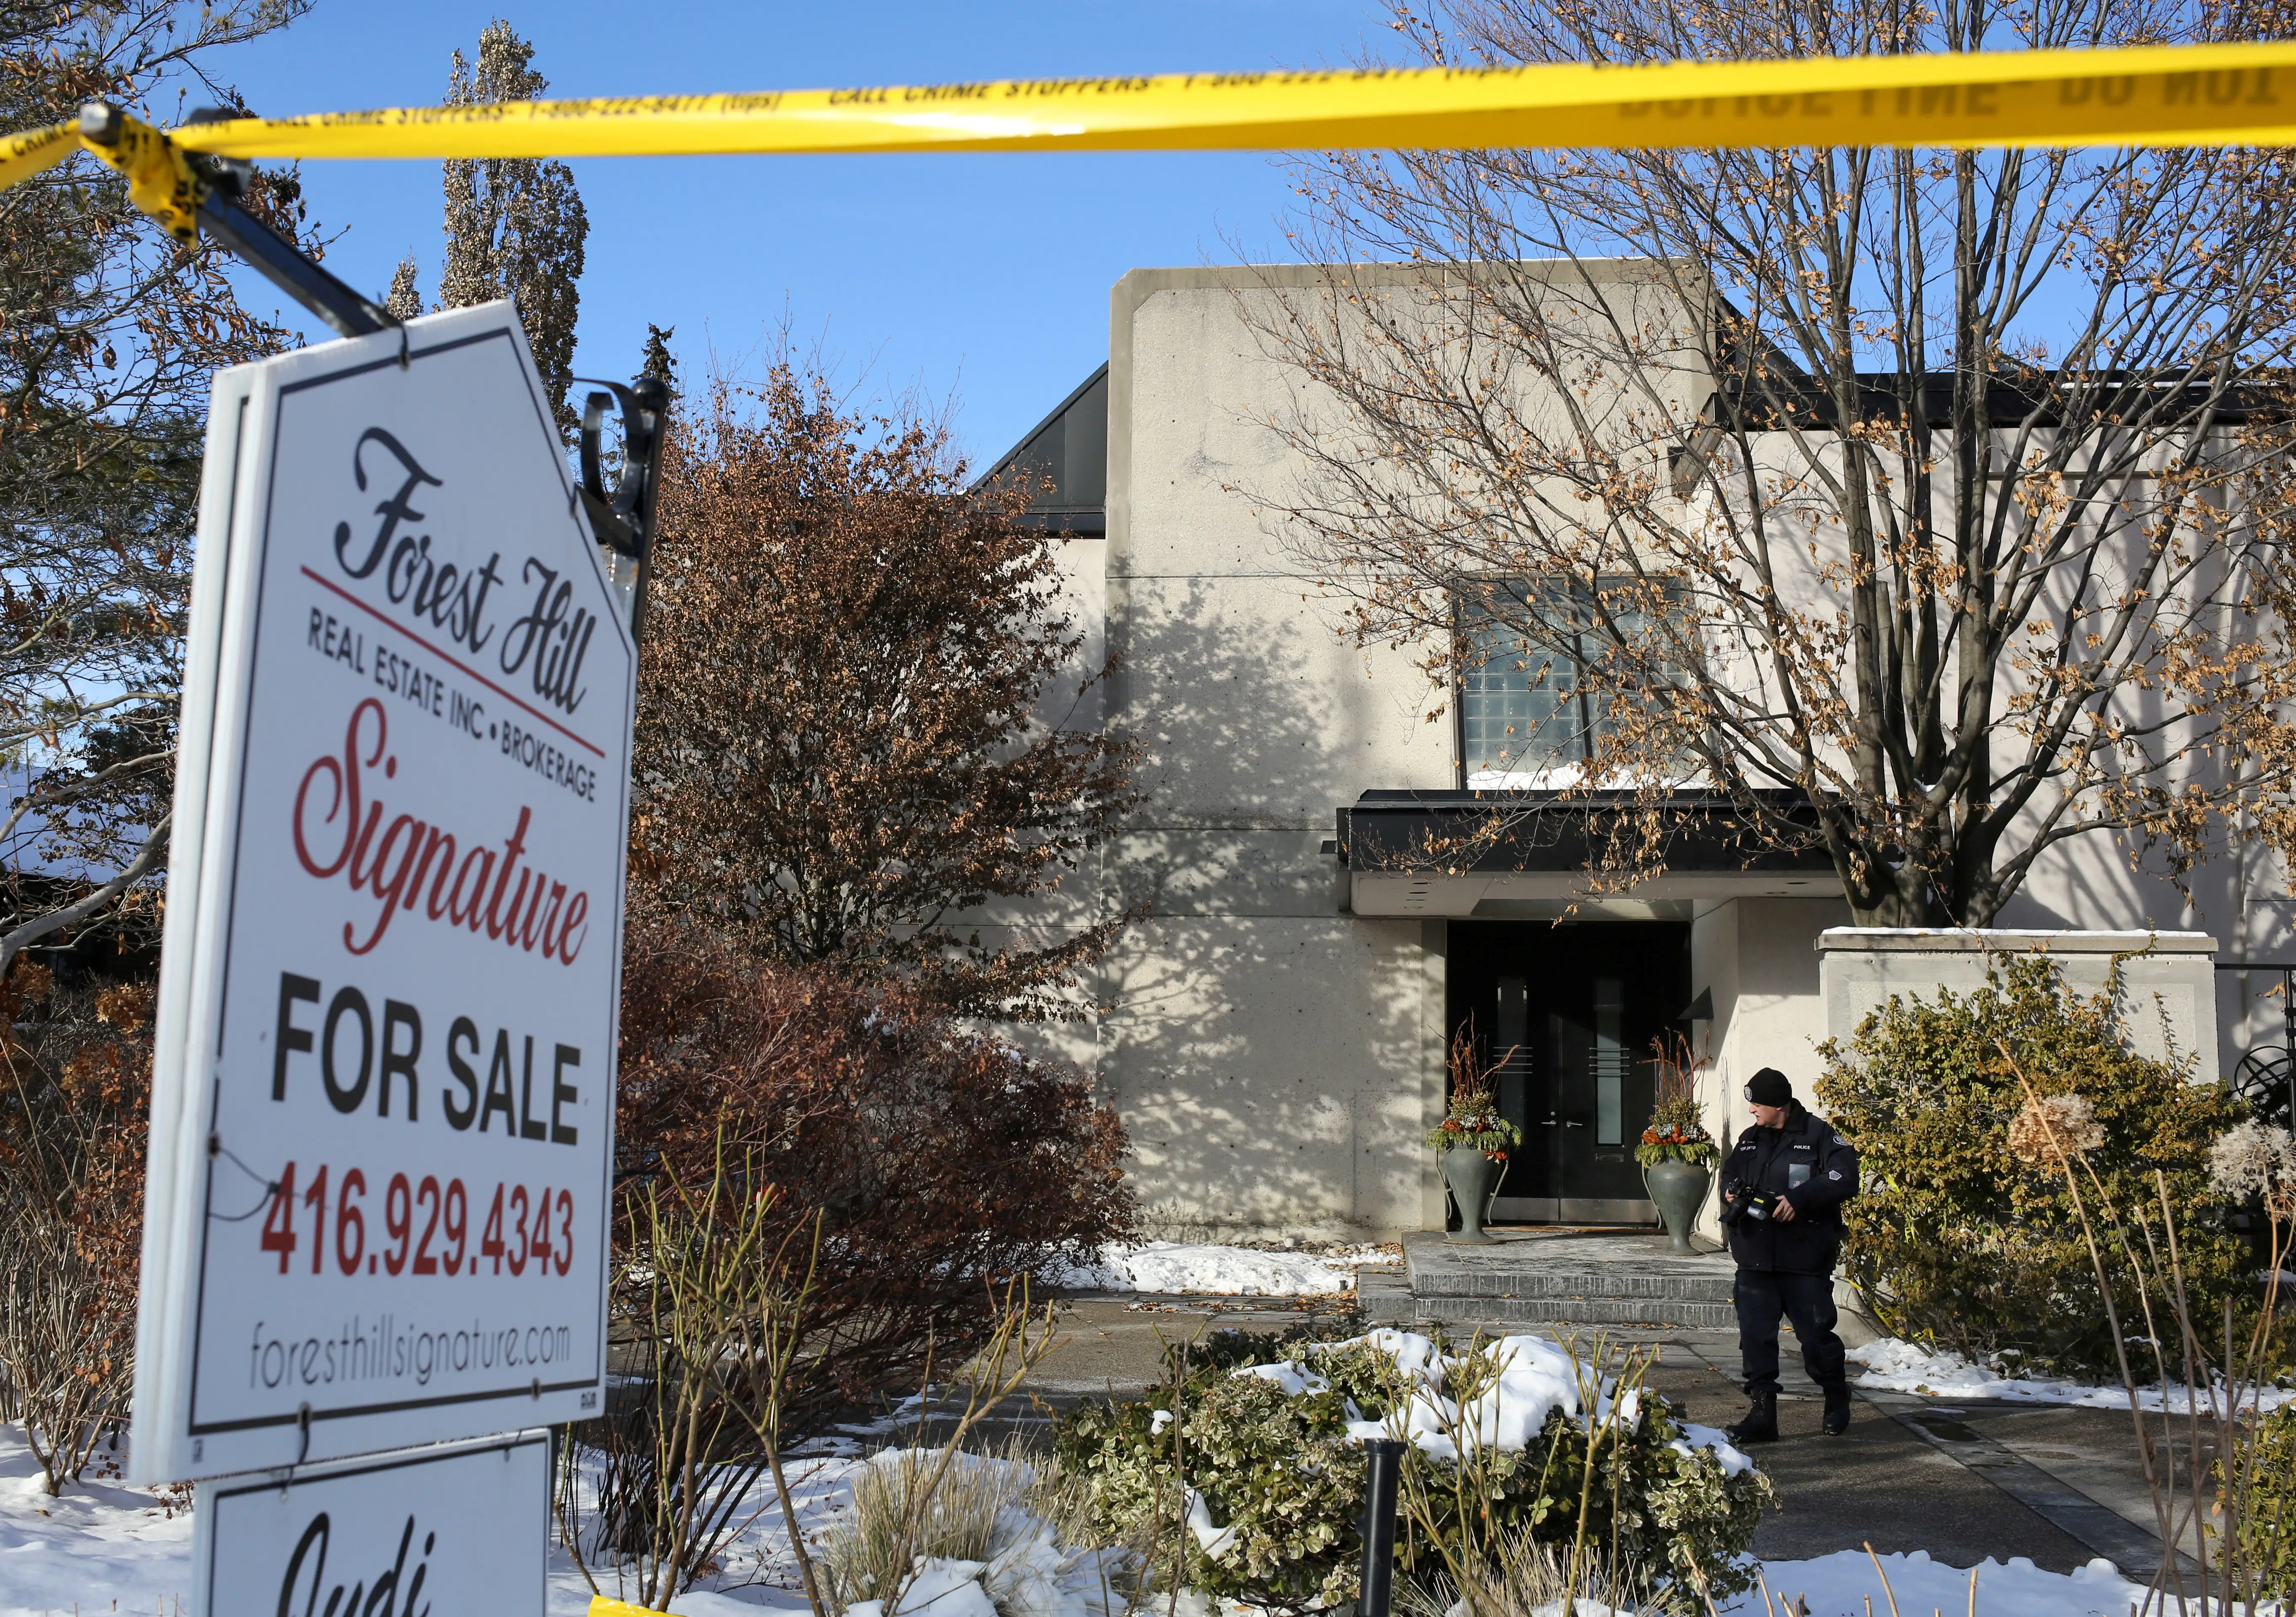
column 1231, row 1348
column 2266, row 1528
column 1260, row 1481
column 1966, row 1238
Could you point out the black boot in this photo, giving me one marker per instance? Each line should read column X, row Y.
column 1837, row 1411
column 1761, row 1425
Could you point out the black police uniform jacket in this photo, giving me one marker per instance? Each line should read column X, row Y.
column 1811, row 1166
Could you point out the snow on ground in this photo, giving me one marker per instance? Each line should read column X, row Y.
column 1892, row 1366
column 1255, row 1272
column 1839, row 1584
column 97, row 1543
column 102, row 1548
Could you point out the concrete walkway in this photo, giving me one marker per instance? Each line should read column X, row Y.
column 2069, row 1483
column 1963, row 1481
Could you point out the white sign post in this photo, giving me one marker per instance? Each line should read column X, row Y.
column 382, row 1115
column 456, row 1531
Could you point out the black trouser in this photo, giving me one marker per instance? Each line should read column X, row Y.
column 1764, row 1295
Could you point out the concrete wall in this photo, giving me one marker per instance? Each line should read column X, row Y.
column 1757, row 958
column 2168, row 992
column 1275, row 1060
column 1046, row 919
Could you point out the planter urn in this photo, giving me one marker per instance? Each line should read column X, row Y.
column 1679, row 1190
column 1469, row 1173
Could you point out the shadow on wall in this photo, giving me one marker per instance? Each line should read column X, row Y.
column 2091, row 883
column 1253, row 711
column 1265, row 1051
column 1268, row 1071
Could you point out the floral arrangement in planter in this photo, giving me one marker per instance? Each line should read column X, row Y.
column 1473, row 1118
column 1675, row 1134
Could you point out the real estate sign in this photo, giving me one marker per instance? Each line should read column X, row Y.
column 456, row 1531
column 382, row 1118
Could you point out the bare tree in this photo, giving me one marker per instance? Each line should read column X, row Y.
column 1916, row 505
column 516, row 226
column 109, row 333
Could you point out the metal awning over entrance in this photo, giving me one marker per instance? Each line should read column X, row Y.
column 1524, row 856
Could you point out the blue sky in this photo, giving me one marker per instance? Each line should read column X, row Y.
column 983, row 276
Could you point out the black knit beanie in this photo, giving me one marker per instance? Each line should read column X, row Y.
column 1769, row 1087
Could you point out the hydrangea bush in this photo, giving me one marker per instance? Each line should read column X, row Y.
column 1250, row 1465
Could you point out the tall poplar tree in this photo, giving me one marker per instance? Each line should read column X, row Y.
column 515, row 227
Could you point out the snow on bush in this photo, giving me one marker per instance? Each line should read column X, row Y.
column 1263, row 1433
column 963, row 1535
column 1527, row 1379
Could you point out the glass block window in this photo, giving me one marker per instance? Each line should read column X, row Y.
column 1524, row 709
column 1609, row 1061
column 1521, row 710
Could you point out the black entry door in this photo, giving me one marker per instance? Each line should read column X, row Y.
column 1570, row 1013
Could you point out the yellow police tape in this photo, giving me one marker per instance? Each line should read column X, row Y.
column 2241, row 93
column 2180, row 96
column 159, row 181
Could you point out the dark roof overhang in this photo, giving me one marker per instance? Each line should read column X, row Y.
column 1489, row 832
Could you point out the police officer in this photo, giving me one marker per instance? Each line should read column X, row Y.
column 1782, row 1193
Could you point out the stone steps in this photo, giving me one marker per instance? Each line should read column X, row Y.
column 1550, row 1279
column 1674, row 1313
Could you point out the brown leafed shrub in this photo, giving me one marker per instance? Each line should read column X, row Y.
column 941, row 1162
column 858, row 718
column 74, row 1115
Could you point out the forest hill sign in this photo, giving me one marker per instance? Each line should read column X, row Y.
column 392, row 869
column 382, row 1111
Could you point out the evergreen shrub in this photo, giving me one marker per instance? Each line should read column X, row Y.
column 1275, row 1479
column 1962, row 1241
column 2267, row 1526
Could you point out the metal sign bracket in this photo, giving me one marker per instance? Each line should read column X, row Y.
column 622, row 520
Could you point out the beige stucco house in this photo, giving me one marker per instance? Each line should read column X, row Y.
column 1273, row 1034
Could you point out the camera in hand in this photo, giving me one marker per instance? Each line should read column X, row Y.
column 1756, row 1205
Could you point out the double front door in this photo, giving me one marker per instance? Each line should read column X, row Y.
column 1569, row 1014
